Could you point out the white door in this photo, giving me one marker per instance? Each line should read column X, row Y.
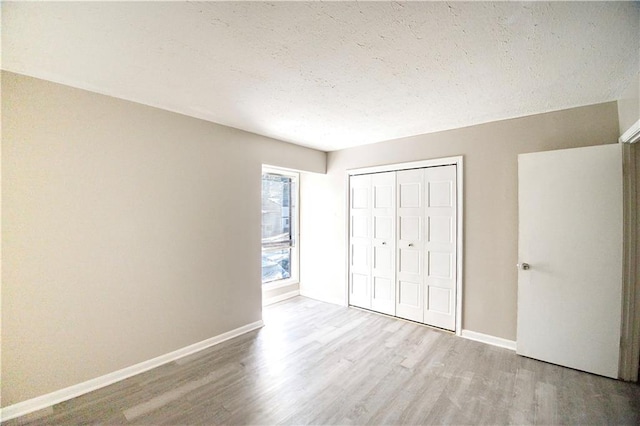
column 410, row 251
column 383, row 284
column 360, row 241
column 440, row 247
column 570, row 237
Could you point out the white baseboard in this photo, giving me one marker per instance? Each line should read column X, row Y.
column 44, row 401
column 488, row 339
column 313, row 296
column 280, row 298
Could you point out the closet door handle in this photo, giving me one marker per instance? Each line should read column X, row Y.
column 410, row 244
column 384, row 243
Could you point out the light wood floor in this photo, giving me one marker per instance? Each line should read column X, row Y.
column 316, row 363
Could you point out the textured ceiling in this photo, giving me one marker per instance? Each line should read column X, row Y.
column 332, row 75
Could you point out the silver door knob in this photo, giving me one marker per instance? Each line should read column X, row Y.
column 384, row 243
column 525, row 266
column 410, row 244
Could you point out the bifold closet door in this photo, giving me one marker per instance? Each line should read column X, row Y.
column 410, row 250
column 383, row 279
column 440, row 247
column 402, row 244
column 360, row 241
column 426, row 271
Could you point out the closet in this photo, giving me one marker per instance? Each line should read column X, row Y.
column 403, row 243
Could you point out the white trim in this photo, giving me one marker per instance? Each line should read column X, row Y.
column 632, row 135
column 347, row 238
column 459, row 243
column 44, row 401
column 333, row 301
column 458, row 161
column 489, row 340
column 280, row 297
column 406, row 166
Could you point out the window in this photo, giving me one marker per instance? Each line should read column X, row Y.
column 279, row 226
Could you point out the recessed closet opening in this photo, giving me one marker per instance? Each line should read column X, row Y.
column 405, row 241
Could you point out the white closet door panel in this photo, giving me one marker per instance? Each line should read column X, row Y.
column 360, row 226
column 409, row 297
column 410, row 244
column 440, row 247
column 383, row 298
column 410, row 227
column 410, row 262
column 383, row 260
column 360, row 257
column 360, row 192
column 440, row 229
column 383, row 228
column 360, row 247
column 383, row 190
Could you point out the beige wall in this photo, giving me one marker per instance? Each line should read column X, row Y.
column 127, row 231
column 629, row 106
column 490, row 204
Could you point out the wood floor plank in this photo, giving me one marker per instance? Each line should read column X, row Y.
column 317, row 363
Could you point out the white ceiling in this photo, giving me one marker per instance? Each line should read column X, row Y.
column 332, row 75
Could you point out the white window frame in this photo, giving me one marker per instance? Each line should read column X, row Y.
column 295, row 250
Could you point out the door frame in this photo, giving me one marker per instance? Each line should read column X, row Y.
column 447, row 161
column 630, row 333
